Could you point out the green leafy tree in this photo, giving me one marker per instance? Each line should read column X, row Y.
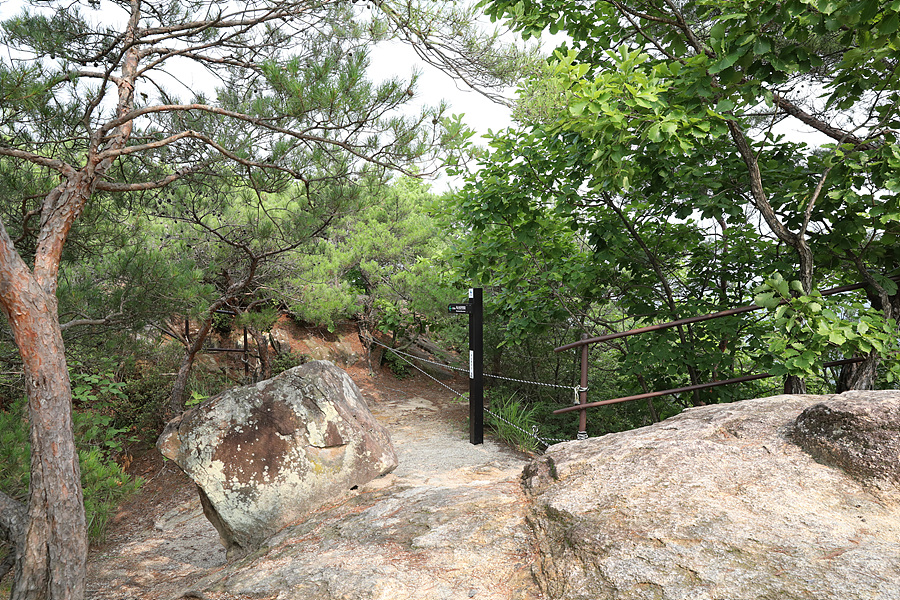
column 558, row 255
column 693, row 107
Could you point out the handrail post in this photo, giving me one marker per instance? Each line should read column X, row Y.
column 582, row 393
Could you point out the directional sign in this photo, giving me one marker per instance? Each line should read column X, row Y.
column 459, row 309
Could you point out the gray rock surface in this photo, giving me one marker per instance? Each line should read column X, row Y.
column 719, row 503
column 855, row 431
column 268, row 454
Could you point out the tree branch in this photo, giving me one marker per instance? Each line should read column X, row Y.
column 807, row 214
column 64, row 169
column 110, row 186
column 762, row 204
column 841, row 136
column 80, row 322
column 112, row 153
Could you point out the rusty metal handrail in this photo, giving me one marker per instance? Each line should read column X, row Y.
column 585, row 342
column 691, row 388
column 688, row 320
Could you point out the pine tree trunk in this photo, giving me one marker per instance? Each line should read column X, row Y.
column 176, row 399
column 53, row 561
column 13, row 519
column 262, row 347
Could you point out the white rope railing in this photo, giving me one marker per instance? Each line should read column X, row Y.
column 533, row 434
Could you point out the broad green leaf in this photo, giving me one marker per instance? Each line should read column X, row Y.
column 577, row 107
column 762, row 46
column 724, row 106
column 836, row 338
column 766, row 300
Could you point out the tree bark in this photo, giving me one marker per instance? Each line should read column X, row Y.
column 859, row 376
column 262, row 347
column 176, row 399
column 52, row 561
column 13, row 519
column 794, row 385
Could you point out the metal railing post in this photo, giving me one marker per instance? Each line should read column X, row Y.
column 582, row 393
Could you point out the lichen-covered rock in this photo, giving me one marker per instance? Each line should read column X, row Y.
column 267, row 454
column 715, row 503
column 855, row 431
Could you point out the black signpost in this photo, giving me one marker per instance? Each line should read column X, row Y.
column 474, row 308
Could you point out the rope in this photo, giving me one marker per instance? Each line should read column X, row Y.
column 532, row 434
column 420, row 370
column 553, row 385
column 400, row 353
column 578, row 389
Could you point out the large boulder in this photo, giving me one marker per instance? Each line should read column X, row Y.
column 719, row 502
column 265, row 455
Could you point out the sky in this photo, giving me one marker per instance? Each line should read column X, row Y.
column 396, row 59
column 481, row 114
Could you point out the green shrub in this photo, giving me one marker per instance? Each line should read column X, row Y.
column 147, row 397
column 104, row 482
column 147, row 376
column 105, row 485
column 514, row 422
column 287, row 360
column 205, row 384
column 399, row 367
column 222, row 323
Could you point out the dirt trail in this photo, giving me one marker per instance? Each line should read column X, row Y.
column 447, row 523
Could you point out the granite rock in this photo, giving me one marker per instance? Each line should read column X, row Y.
column 720, row 503
column 266, row 455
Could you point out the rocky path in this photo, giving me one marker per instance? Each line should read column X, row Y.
column 447, row 524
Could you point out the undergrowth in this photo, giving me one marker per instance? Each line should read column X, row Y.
column 100, row 437
column 398, row 366
column 514, row 422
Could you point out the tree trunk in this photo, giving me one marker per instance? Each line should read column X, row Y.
column 654, row 416
column 794, row 385
column 859, row 376
column 176, row 399
column 262, row 347
column 52, row 563
column 13, row 519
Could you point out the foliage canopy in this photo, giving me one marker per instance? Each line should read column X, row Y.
column 675, row 156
